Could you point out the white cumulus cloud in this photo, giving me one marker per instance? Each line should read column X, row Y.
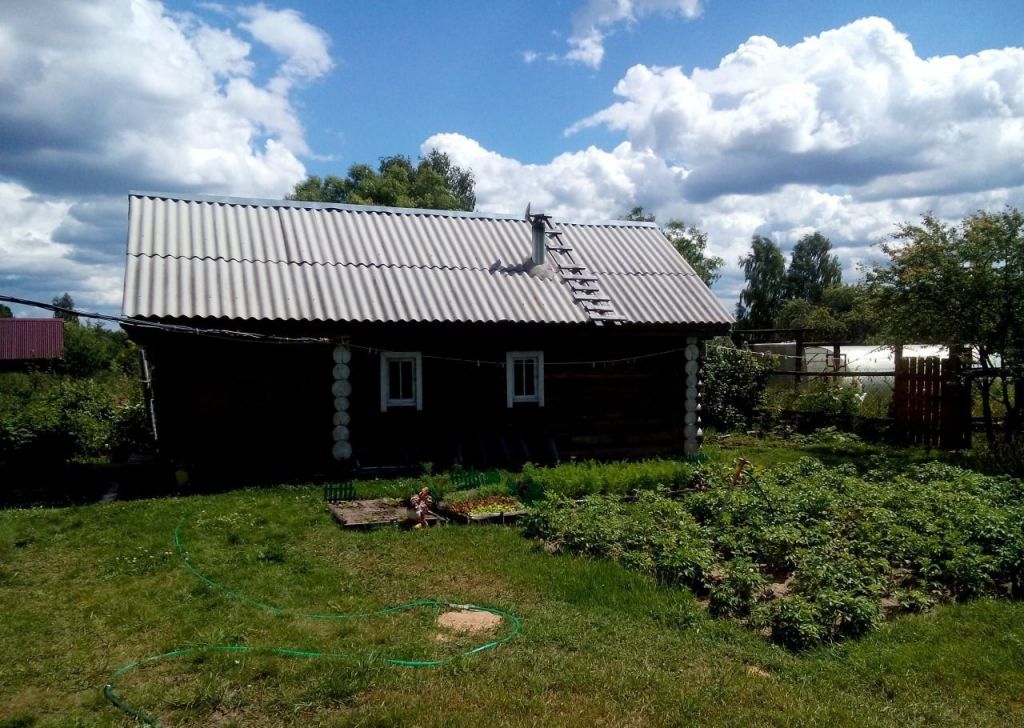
column 591, row 184
column 595, row 19
column 847, row 132
column 853, row 106
column 98, row 97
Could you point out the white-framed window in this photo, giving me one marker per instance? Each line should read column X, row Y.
column 401, row 379
column 524, row 377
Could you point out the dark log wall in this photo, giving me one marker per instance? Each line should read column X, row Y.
column 270, row 405
column 241, row 404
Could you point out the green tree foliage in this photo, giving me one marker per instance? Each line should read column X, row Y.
column 5, row 312
column 961, row 285
column 64, row 301
column 812, row 269
column 690, row 241
column 764, row 269
column 845, row 313
column 435, row 183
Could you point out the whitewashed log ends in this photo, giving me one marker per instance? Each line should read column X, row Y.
column 342, row 355
column 341, row 389
column 692, row 433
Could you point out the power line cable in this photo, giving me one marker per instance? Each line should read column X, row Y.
column 234, row 334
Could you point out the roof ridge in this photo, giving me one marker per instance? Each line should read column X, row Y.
column 377, row 209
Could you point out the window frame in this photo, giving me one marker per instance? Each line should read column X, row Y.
column 511, row 398
column 386, row 400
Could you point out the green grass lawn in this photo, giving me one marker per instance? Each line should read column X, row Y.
column 86, row 590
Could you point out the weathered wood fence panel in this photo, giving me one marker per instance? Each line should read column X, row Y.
column 931, row 403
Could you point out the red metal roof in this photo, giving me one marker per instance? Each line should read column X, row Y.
column 31, row 338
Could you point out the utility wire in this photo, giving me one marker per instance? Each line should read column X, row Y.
column 234, row 334
column 219, row 333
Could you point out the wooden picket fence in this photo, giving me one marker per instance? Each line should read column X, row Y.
column 932, row 403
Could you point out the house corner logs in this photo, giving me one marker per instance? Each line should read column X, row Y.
column 341, row 389
column 693, row 435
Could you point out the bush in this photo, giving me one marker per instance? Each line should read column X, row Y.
column 89, row 350
column 838, row 401
column 734, row 385
column 56, row 419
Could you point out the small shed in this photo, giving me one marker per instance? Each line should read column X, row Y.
column 307, row 335
column 25, row 340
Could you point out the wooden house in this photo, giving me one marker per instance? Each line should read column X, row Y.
column 305, row 336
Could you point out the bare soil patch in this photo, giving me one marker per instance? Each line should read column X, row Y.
column 469, row 621
column 373, row 512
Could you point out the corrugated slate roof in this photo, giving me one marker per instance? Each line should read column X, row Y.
column 218, row 257
column 31, row 338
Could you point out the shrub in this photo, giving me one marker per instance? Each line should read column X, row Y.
column 89, row 350
column 734, row 385
column 829, row 398
column 64, row 418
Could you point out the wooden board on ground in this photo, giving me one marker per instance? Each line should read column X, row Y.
column 373, row 512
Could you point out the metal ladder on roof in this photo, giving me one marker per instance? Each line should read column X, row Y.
column 582, row 283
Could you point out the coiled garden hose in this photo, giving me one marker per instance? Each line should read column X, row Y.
column 115, row 698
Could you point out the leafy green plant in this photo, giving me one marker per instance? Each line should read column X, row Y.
column 737, row 593
column 654, row 534
column 794, row 622
column 838, row 543
column 734, row 384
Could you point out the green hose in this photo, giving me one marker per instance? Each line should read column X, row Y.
column 112, row 695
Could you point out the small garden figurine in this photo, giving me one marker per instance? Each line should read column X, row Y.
column 421, row 503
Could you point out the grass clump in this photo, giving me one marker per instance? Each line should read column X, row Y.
column 577, row 479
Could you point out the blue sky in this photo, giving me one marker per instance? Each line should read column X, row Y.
column 408, row 70
column 775, row 118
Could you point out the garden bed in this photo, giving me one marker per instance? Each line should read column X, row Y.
column 375, row 512
column 808, row 553
column 487, row 509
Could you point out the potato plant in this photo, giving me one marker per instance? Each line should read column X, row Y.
column 809, row 553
